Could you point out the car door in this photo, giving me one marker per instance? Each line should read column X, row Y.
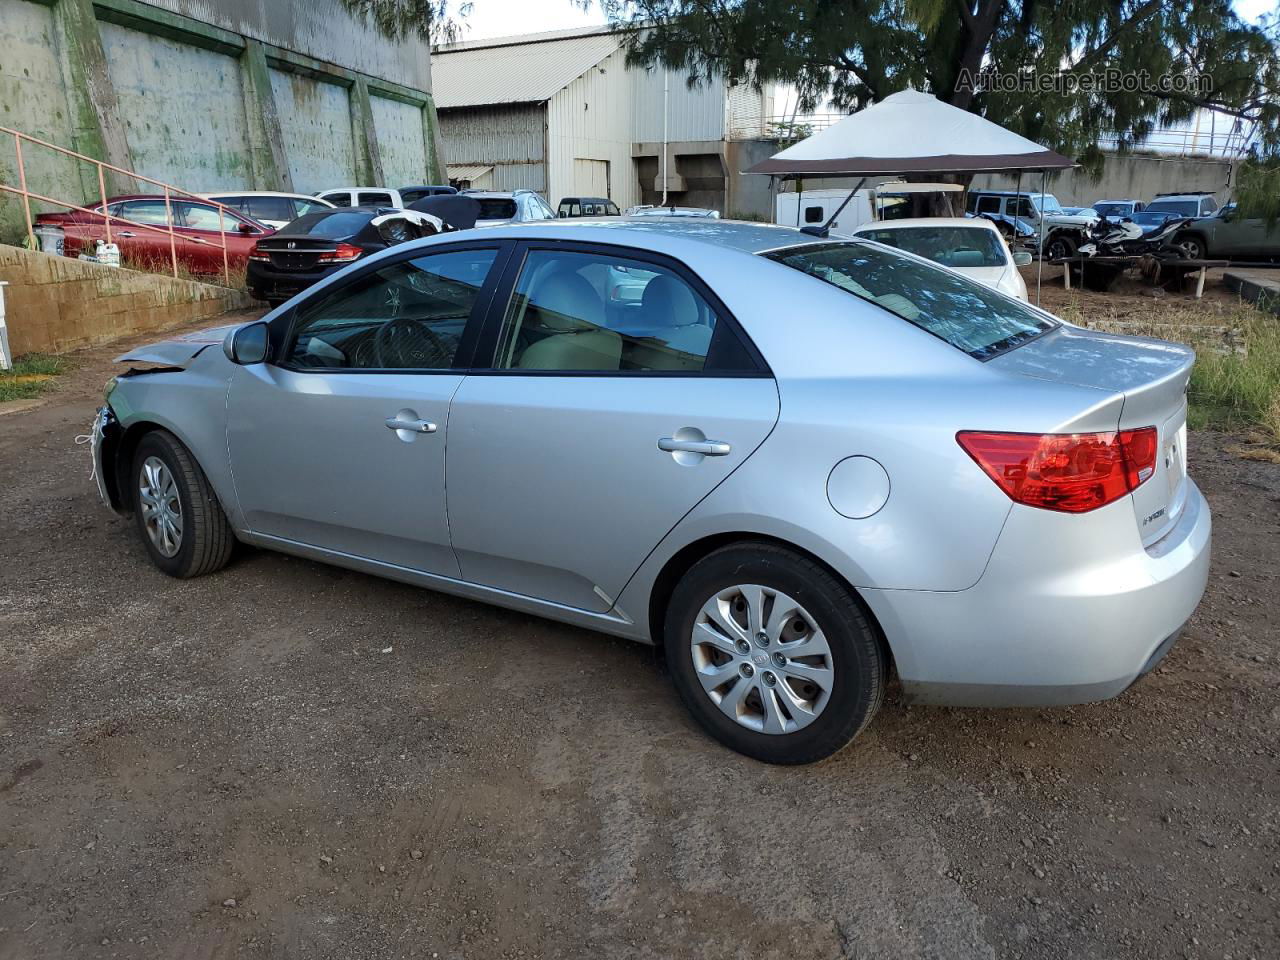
column 340, row 443
column 581, row 446
column 205, row 229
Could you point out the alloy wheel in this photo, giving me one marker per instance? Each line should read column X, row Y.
column 762, row 659
column 161, row 506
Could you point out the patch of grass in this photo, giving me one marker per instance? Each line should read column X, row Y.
column 31, row 374
column 1240, row 389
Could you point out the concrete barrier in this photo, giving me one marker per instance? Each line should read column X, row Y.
column 54, row 304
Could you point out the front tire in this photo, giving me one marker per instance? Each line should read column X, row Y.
column 1060, row 247
column 179, row 519
column 773, row 655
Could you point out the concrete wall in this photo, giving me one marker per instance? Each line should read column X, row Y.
column 210, row 94
column 1126, row 178
column 54, row 304
column 1129, row 177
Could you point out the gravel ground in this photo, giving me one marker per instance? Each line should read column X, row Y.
column 290, row 760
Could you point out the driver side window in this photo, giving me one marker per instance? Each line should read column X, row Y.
column 408, row 315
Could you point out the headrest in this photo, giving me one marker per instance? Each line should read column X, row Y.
column 668, row 302
column 566, row 302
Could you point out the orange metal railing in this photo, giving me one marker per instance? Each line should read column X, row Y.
column 169, row 191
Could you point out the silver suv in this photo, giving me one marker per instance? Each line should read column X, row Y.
column 511, row 206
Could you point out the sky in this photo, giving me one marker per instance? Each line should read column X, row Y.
column 501, row 18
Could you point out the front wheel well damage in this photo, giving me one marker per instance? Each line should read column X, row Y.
column 683, row 560
column 117, row 460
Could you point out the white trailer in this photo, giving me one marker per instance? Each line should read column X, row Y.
column 887, row 201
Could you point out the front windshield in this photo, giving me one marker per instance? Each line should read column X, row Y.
column 1048, row 203
column 950, row 246
column 1113, row 210
column 969, row 316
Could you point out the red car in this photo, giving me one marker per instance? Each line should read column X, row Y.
column 196, row 229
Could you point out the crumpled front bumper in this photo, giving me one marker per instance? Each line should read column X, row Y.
column 106, row 431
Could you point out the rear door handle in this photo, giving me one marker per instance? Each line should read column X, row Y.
column 125, row 233
column 414, row 426
column 708, row 448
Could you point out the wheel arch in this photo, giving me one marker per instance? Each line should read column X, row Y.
column 683, row 560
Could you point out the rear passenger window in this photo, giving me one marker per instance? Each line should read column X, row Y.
column 338, row 199
column 270, row 208
column 592, row 312
column 374, row 199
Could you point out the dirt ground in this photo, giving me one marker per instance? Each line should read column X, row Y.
column 290, row 760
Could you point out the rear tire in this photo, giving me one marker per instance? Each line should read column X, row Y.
column 1189, row 248
column 798, row 690
column 179, row 519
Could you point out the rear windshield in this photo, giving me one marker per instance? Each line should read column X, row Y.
column 949, row 246
column 333, row 226
column 496, row 208
column 963, row 312
column 1113, row 209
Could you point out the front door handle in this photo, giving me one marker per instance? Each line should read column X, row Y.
column 413, row 426
column 125, row 233
column 708, row 448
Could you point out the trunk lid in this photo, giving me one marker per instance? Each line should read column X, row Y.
column 1152, row 376
column 296, row 253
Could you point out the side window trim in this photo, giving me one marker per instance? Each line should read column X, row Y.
column 487, row 345
column 282, row 336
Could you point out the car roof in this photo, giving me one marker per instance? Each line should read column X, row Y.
column 663, row 233
column 1117, row 201
column 156, row 196
column 1014, row 193
column 256, row 193
column 978, row 223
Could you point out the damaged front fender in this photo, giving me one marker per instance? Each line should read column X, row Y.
column 179, row 351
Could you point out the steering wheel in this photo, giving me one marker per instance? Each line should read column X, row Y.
column 408, row 344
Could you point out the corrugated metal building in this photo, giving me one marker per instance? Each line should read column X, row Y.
column 563, row 114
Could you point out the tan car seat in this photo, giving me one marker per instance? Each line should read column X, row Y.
column 571, row 311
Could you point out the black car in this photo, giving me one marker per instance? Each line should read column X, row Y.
column 587, row 207
column 410, row 194
column 318, row 244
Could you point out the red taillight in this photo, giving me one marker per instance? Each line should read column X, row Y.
column 1070, row 472
column 256, row 253
column 344, row 253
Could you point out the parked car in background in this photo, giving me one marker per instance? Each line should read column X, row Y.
column 648, row 210
column 1152, row 220
column 1118, row 209
column 923, row 476
column 587, row 207
column 270, row 208
column 409, row 194
column 201, row 229
column 1081, row 212
column 319, row 244
column 1184, row 204
column 363, row 197
column 513, row 206
column 1063, row 232
column 1228, row 236
column 973, row 247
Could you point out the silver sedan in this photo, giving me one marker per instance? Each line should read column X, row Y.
column 798, row 465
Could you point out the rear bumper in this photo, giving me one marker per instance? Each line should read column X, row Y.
column 265, row 282
column 1065, row 613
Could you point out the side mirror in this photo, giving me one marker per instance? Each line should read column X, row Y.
column 247, row 345
column 1021, row 258
column 245, row 228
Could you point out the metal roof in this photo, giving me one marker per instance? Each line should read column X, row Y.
column 529, row 69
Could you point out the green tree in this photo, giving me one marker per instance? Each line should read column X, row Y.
column 854, row 52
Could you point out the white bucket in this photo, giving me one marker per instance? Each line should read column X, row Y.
column 108, row 254
column 52, row 239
